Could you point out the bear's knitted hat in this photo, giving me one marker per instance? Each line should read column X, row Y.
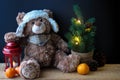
column 33, row 15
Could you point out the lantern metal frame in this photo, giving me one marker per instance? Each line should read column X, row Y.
column 11, row 50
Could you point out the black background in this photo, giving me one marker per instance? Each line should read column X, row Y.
column 105, row 12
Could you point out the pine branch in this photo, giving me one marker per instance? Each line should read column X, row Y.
column 78, row 12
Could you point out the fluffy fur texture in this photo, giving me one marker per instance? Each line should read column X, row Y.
column 41, row 48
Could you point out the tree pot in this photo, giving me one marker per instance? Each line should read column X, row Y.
column 84, row 57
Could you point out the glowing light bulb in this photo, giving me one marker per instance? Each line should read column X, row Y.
column 78, row 21
column 76, row 40
column 76, row 43
column 14, row 63
column 88, row 29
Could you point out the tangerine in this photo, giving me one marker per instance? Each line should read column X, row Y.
column 10, row 72
column 83, row 69
column 17, row 69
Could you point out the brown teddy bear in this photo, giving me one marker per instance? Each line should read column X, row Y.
column 42, row 46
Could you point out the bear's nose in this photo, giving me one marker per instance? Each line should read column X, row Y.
column 38, row 22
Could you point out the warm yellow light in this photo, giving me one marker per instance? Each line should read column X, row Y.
column 76, row 40
column 88, row 29
column 14, row 64
column 76, row 43
column 78, row 21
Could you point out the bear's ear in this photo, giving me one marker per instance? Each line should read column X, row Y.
column 52, row 22
column 54, row 25
column 50, row 13
column 20, row 17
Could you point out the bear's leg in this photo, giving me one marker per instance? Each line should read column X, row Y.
column 30, row 69
column 66, row 63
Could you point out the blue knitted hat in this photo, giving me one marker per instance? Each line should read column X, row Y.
column 33, row 15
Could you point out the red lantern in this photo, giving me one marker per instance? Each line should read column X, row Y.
column 12, row 51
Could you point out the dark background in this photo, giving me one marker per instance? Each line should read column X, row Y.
column 105, row 12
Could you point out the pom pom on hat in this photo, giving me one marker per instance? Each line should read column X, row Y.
column 33, row 15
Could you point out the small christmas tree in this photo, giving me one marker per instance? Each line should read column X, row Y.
column 81, row 34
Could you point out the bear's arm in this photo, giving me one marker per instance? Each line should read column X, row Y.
column 59, row 42
column 11, row 37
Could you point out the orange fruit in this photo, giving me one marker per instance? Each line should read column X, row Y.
column 10, row 72
column 17, row 69
column 83, row 68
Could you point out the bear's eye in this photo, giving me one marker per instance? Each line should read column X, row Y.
column 33, row 23
column 40, row 20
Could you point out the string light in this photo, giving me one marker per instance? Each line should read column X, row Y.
column 78, row 21
column 76, row 43
column 87, row 29
column 76, row 40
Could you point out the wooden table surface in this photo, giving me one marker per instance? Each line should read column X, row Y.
column 107, row 72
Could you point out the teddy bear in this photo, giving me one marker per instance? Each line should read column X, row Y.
column 43, row 47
